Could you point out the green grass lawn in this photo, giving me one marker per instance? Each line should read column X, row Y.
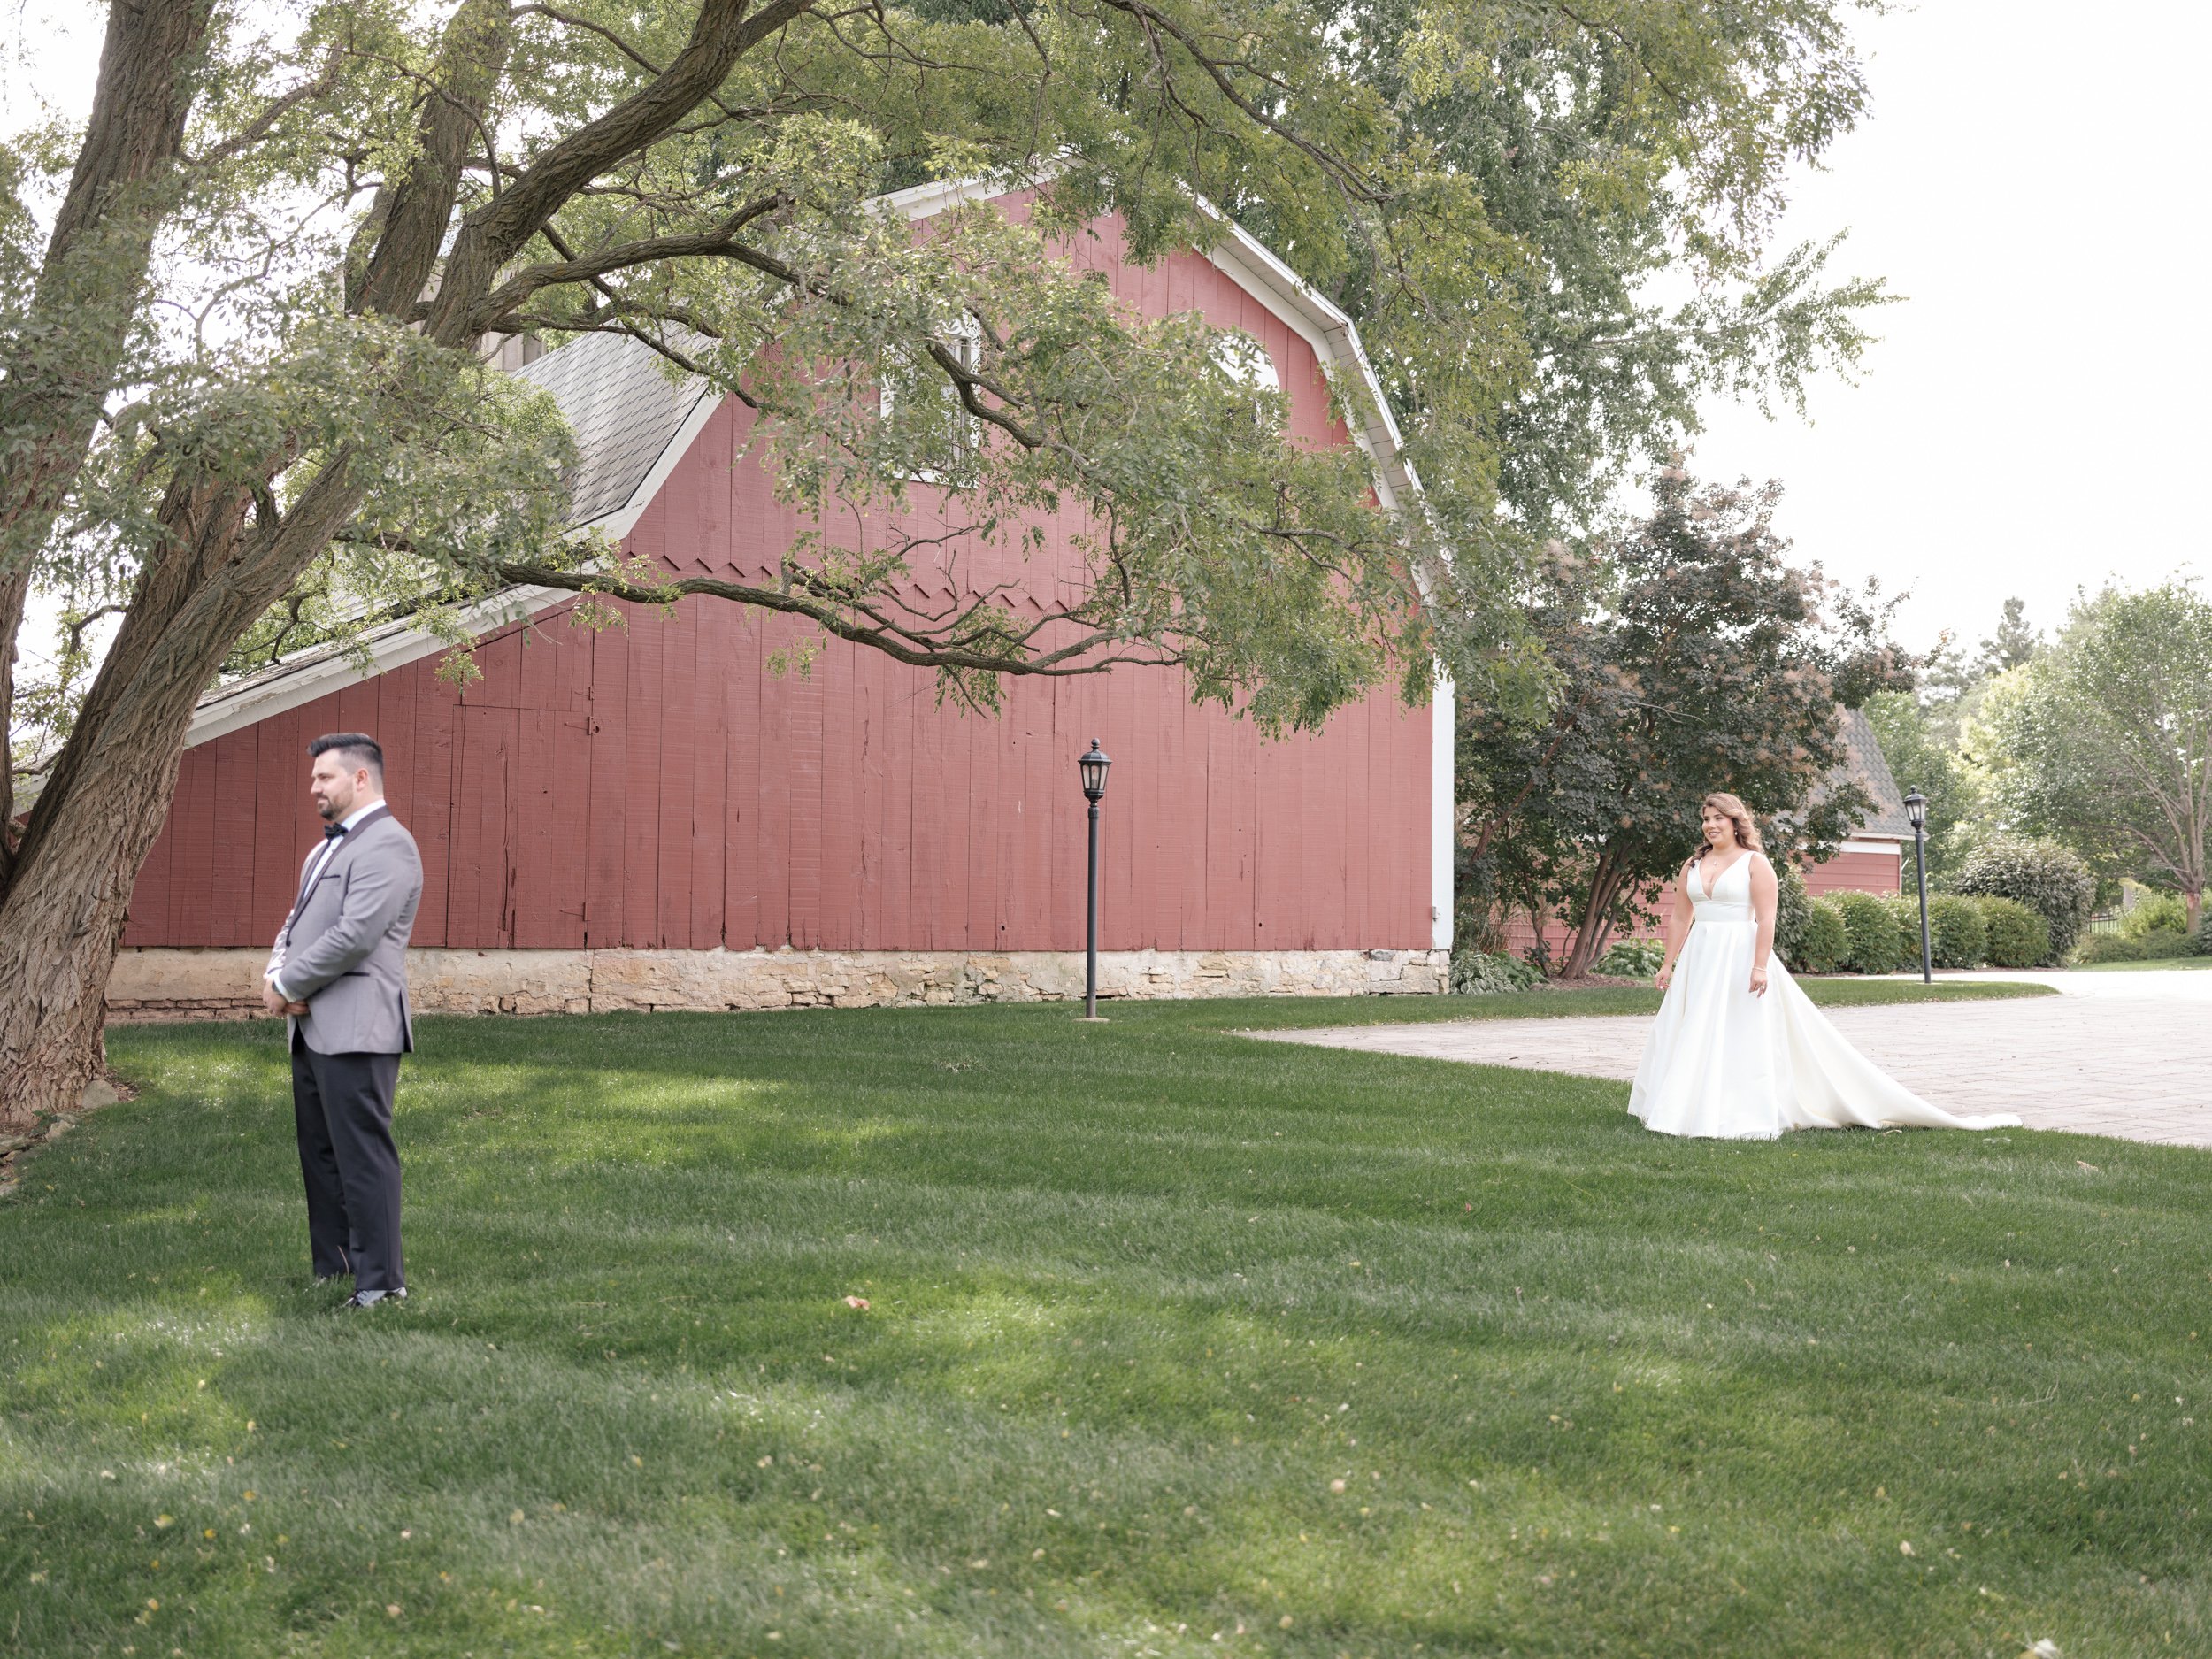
column 2184, row 963
column 1173, row 1336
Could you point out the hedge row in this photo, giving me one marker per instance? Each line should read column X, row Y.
column 1871, row 933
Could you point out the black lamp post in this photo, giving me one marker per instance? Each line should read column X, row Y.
column 1916, row 810
column 1093, row 766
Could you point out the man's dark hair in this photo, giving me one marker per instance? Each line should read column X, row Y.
column 356, row 749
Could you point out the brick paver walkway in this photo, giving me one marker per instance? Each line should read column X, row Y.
column 2131, row 1059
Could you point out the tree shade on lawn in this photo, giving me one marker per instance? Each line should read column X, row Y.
column 1170, row 1334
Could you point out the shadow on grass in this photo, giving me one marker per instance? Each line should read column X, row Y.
column 1140, row 1296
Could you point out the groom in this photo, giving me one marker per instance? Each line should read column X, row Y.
column 339, row 971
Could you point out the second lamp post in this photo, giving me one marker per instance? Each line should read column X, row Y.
column 1093, row 766
column 1916, row 810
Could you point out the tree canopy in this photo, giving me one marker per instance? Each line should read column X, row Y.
column 1694, row 658
column 2104, row 740
column 243, row 388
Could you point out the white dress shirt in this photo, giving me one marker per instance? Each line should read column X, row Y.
column 315, row 871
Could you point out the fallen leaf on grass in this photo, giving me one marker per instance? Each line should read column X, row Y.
column 857, row 1303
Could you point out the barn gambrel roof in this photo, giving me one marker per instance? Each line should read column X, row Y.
column 632, row 423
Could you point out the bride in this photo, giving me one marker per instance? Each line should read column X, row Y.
column 1738, row 1051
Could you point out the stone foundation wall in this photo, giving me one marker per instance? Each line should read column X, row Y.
column 158, row 983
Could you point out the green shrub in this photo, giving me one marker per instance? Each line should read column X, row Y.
column 2163, row 944
column 1826, row 944
column 1792, row 906
column 1633, row 958
column 2018, row 937
column 2108, row 947
column 1877, row 942
column 2053, row 882
column 1959, row 935
column 1906, row 913
column 1478, row 973
column 2155, row 911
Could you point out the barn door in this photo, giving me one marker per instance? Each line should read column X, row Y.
column 480, row 905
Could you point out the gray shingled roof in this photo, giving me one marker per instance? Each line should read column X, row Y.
column 1864, row 765
column 619, row 402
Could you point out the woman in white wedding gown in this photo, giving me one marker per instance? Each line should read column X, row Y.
column 1739, row 1052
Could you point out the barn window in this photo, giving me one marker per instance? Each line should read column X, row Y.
column 950, row 435
column 1244, row 359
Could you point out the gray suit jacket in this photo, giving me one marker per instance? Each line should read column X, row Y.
column 344, row 950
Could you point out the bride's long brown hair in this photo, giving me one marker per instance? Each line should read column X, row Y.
column 1736, row 813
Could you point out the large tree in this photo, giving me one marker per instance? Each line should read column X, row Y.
column 243, row 383
column 1692, row 657
column 1914, row 744
column 2104, row 740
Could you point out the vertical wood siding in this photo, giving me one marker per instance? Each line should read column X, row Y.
column 1860, row 872
column 661, row 784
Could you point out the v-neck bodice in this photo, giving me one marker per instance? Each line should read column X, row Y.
column 1730, row 899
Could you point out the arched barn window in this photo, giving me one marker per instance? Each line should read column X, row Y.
column 918, row 395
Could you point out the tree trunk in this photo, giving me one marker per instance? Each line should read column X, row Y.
column 218, row 565
column 56, row 373
column 216, row 568
column 1605, row 888
column 64, row 915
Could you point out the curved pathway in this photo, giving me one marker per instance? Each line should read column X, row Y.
column 2126, row 1053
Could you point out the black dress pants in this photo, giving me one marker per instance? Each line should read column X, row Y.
column 342, row 1106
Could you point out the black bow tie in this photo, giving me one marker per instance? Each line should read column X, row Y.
column 331, row 832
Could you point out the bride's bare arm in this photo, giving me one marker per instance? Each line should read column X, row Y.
column 1678, row 927
column 1766, row 893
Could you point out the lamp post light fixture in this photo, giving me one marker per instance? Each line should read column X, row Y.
column 1916, row 810
column 1093, row 766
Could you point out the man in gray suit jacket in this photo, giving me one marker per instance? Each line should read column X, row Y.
column 339, row 971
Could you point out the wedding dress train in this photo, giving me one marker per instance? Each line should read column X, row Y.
column 1721, row 1061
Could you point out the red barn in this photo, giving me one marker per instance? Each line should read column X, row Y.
column 652, row 816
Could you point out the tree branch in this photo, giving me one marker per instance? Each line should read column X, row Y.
column 722, row 33
column 835, row 615
column 1218, row 71
column 621, row 257
column 246, row 136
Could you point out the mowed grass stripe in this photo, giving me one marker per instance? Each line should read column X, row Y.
column 1170, row 1283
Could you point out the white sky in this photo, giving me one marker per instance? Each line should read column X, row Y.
column 2034, row 416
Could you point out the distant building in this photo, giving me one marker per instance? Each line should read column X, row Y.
column 1872, row 860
